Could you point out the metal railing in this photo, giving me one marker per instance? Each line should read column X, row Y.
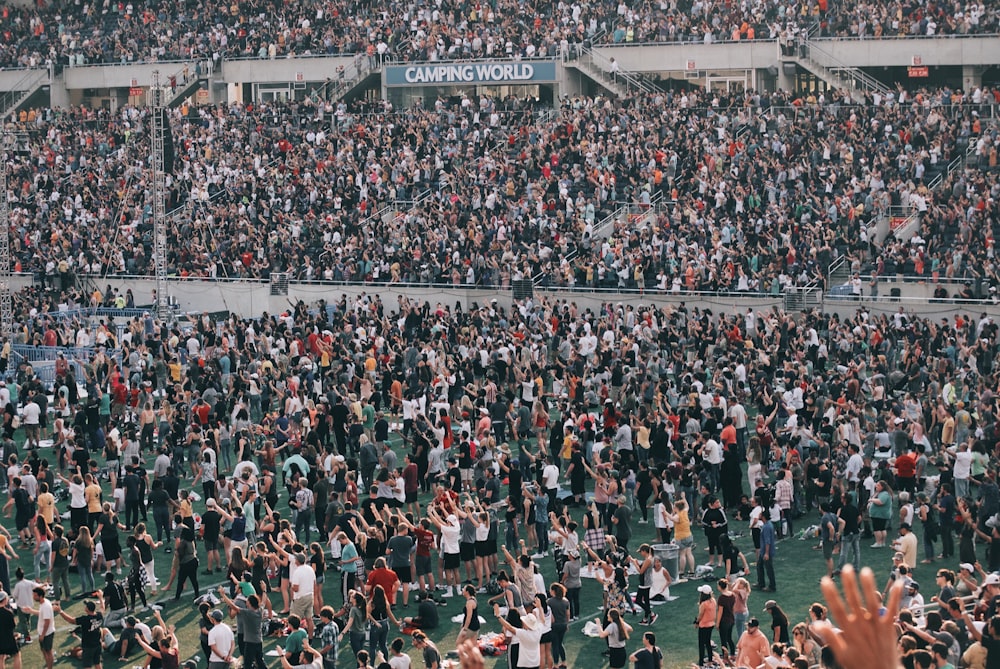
column 607, row 72
column 25, row 86
column 853, row 76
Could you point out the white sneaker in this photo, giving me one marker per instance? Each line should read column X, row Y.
column 539, row 556
column 448, row 593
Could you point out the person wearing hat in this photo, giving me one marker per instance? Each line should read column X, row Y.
column 431, row 655
column 705, row 622
column 753, row 646
column 221, row 642
column 90, row 629
column 906, row 544
column 525, row 636
column 779, row 622
column 9, row 650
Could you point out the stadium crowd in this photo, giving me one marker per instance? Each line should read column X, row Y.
column 418, row 444
column 752, row 193
column 122, row 32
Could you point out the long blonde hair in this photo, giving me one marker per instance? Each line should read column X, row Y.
column 84, row 539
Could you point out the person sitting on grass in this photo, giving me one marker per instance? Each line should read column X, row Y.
column 126, row 643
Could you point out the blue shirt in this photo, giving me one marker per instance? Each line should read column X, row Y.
column 768, row 540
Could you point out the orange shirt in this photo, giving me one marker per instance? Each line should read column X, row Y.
column 706, row 613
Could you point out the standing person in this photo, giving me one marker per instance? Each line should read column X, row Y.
column 46, row 628
column 880, row 511
column 90, row 630
column 741, row 610
column 348, row 565
column 329, row 638
column 849, row 525
column 829, row 532
column 59, row 571
column 725, row 617
column 83, row 558
column 9, row 650
column 765, row 556
column 470, row 615
column 645, row 567
column 779, row 622
column 616, row 632
column 187, row 563
column 559, row 606
column 705, row 623
column 250, row 616
column 221, row 642
column 303, row 584
column 649, row 656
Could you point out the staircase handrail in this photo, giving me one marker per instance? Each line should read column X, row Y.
column 836, row 66
column 32, row 79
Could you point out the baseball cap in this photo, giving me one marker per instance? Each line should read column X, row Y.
column 753, row 622
column 992, row 579
column 705, row 589
column 967, row 567
column 770, row 604
column 216, row 615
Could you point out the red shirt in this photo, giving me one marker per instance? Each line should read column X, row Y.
column 906, row 466
column 425, row 541
column 387, row 579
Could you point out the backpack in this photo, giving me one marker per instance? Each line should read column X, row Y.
column 493, row 587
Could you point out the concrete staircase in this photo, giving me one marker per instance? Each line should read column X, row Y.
column 853, row 80
column 605, row 73
column 32, row 81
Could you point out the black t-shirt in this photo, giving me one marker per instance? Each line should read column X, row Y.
column 159, row 498
column 90, row 629
column 131, row 483
column 849, row 514
column 211, row 521
column 645, row 659
column 992, row 646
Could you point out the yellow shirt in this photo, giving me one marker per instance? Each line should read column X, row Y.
column 93, row 495
column 682, row 527
column 186, row 510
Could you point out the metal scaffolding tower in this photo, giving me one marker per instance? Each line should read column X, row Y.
column 6, row 300
column 156, row 161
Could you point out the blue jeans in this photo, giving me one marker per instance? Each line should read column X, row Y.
column 850, row 551
column 378, row 637
column 741, row 623
column 86, row 573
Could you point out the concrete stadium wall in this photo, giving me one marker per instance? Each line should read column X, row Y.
column 253, row 298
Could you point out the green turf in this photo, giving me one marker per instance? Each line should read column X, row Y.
column 798, row 568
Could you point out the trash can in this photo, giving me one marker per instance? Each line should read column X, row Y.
column 668, row 554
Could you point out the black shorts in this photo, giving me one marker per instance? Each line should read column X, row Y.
column 91, row 657
column 211, row 544
column 546, row 638
column 617, row 658
column 411, row 497
column 482, row 548
column 45, row 643
column 405, row 573
column 467, row 551
column 879, row 524
column 21, row 521
column 424, row 565
column 452, row 560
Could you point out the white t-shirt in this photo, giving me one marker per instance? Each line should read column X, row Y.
column 31, row 413
column 220, row 637
column 550, row 476
column 45, row 614
column 449, row 538
column 305, row 578
column 530, row 654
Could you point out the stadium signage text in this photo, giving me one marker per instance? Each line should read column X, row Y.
column 470, row 73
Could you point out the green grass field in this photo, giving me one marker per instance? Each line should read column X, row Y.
column 798, row 568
